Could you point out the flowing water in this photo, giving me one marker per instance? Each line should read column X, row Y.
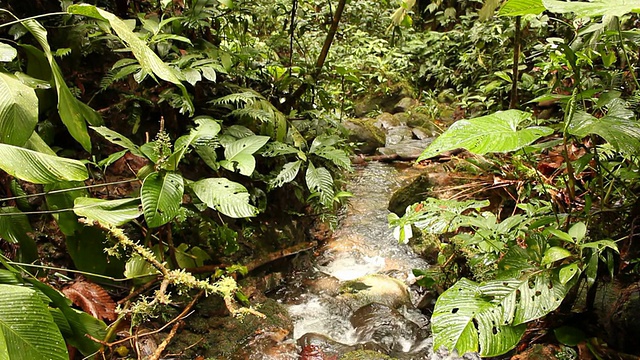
column 328, row 318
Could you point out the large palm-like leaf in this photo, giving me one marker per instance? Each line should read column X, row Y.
column 497, row 132
column 522, row 7
column 27, row 330
column 18, row 110
column 239, row 154
column 161, row 196
column 225, row 196
column 150, row 62
column 39, row 168
column 618, row 127
column 114, row 212
column 593, row 8
column 118, row 139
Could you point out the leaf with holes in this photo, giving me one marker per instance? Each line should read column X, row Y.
column 239, row 154
column 320, row 181
column 497, row 132
column 27, row 329
column 39, row 168
column 113, row 212
column 150, row 62
column 225, row 196
column 161, row 195
column 18, row 110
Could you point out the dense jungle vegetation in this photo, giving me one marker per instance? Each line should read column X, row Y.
column 153, row 152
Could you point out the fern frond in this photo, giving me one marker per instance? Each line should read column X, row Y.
column 319, row 181
column 336, row 156
column 245, row 97
column 287, row 174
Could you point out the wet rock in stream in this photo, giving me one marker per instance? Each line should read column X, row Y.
column 375, row 288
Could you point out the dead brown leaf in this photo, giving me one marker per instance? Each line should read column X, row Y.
column 91, row 298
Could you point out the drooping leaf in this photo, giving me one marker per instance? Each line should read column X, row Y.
column 488, row 9
column 319, row 180
column 239, row 154
column 522, row 7
column 39, row 168
column 7, row 52
column 593, row 8
column 15, row 228
column 554, row 254
column 150, row 62
column 18, row 110
column 71, row 112
column 118, row 139
column 225, row 196
column 497, row 132
column 617, row 127
column 288, row 173
column 27, row 330
column 114, row 212
column 60, row 197
column 161, row 196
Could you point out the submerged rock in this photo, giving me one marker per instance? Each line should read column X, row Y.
column 375, row 288
column 388, row 328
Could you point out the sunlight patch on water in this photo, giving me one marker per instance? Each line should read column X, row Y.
column 349, row 267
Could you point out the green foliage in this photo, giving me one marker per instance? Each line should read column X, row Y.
column 497, row 132
column 114, row 212
column 522, row 7
column 161, row 196
column 27, row 327
column 594, row 8
column 39, row 168
column 18, row 116
column 225, row 196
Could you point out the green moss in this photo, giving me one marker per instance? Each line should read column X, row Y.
column 368, row 124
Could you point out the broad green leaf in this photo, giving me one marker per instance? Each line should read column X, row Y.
column 569, row 335
column 18, row 110
column 319, row 180
column 617, row 127
column 36, row 143
column 161, row 196
column 578, row 231
column 239, row 154
column 522, row 7
column 554, row 254
column 150, row 62
column 118, row 139
column 600, row 245
column 205, row 132
column 225, row 196
column 113, row 212
column 497, row 132
column 15, row 228
column 71, row 113
column 567, row 273
column 39, row 168
column 456, row 314
column 27, row 330
column 593, row 8
column 7, row 52
column 561, row 235
column 288, row 173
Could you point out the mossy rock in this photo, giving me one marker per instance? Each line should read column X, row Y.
column 375, row 288
column 364, row 131
column 365, row 355
column 418, row 190
column 225, row 337
column 387, row 121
